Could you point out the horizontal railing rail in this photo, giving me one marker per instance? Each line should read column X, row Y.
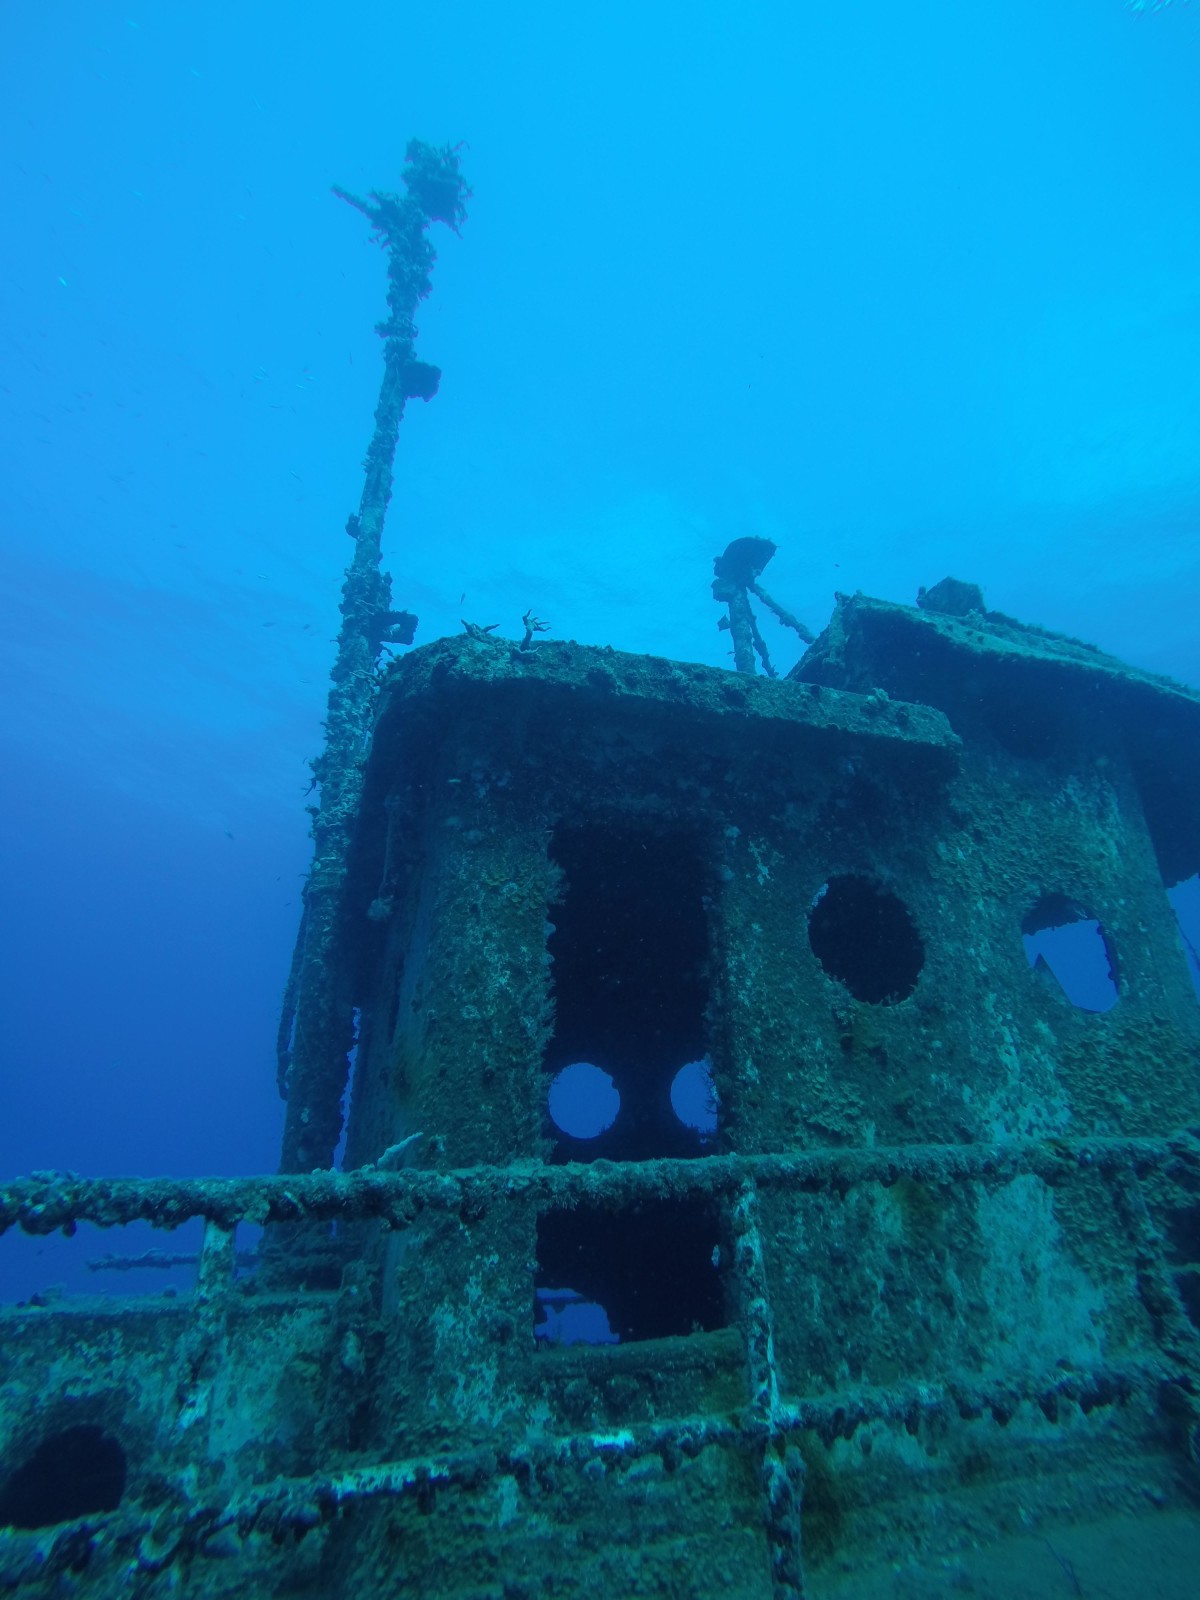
column 47, row 1201
column 293, row 1506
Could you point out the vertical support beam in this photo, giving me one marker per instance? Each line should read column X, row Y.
column 316, row 1027
column 781, row 1467
column 204, row 1346
column 1173, row 1329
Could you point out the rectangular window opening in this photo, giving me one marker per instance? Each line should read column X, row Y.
column 615, row 1277
column 628, row 1071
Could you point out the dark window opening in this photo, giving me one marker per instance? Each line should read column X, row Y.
column 1062, row 938
column 1184, row 899
column 653, row 1270
column 630, row 954
column 1167, row 773
column 864, row 936
column 1182, row 1235
column 76, row 1472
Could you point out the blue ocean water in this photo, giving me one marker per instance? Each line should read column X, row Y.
column 909, row 290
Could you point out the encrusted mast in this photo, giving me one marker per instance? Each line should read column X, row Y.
column 316, row 1024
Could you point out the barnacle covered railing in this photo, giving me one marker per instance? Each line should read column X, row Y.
column 47, row 1201
column 766, row 1425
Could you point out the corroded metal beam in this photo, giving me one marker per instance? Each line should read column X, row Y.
column 47, row 1201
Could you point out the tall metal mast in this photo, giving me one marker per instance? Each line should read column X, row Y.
column 316, row 1030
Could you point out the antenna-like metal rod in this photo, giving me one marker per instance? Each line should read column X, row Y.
column 316, row 1031
column 735, row 579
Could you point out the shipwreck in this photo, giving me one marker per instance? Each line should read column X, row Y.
column 926, row 1270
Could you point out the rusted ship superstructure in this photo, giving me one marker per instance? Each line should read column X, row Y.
column 934, row 1274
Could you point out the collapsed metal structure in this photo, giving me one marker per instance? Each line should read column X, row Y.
column 940, row 1259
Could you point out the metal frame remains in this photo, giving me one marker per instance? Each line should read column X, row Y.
column 770, row 1421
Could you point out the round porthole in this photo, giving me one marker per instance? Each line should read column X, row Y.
column 694, row 1097
column 864, row 936
column 75, row 1472
column 584, row 1101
